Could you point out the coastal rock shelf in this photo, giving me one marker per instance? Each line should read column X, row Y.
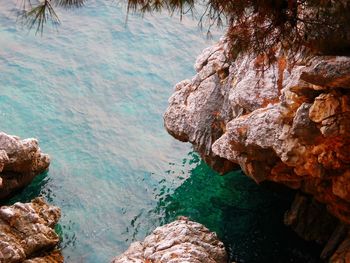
column 179, row 241
column 27, row 234
column 289, row 123
column 20, row 162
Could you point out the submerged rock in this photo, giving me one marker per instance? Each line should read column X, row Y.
column 27, row 232
column 20, row 162
column 179, row 241
column 288, row 124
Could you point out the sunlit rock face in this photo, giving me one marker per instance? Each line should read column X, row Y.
column 179, row 241
column 27, row 234
column 200, row 108
column 20, row 162
column 288, row 123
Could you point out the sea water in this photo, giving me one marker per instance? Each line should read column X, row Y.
column 93, row 92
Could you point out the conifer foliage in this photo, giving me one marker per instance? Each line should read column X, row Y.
column 260, row 27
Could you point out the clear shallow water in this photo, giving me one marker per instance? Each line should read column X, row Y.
column 93, row 93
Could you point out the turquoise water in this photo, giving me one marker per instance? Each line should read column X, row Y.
column 93, row 93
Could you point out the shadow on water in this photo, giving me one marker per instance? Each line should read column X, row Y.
column 34, row 189
column 246, row 216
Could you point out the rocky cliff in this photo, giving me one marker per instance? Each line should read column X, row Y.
column 27, row 234
column 20, row 162
column 177, row 242
column 288, row 123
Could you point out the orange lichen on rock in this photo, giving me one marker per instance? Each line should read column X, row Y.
column 289, row 125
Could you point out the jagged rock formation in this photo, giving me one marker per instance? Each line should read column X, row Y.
column 179, row 241
column 27, row 234
column 20, row 162
column 289, row 123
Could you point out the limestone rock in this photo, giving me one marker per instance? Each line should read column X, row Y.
column 26, row 230
column 20, row 162
column 179, row 241
column 289, row 124
column 330, row 72
column 325, row 106
column 54, row 256
column 199, row 111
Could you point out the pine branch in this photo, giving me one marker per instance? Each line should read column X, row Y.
column 255, row 26
column 39, row 15
column 69, row 3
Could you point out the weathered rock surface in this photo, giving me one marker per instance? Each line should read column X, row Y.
column 20, row 162
column 27, row 234
column 179, row 241
column 289, row 124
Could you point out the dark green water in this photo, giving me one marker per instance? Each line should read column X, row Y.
column 247, row 217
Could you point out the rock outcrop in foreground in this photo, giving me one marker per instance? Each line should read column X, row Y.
column 27, row 234
column 20, row 162
column 289, row 124
column 177, row 242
